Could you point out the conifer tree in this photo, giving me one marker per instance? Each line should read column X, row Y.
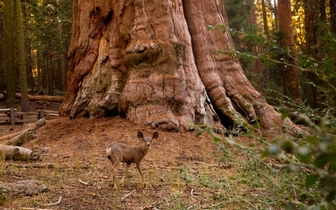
column 11, row 77
column 20, row 51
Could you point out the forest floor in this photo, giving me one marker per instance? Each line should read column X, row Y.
column 182, row 171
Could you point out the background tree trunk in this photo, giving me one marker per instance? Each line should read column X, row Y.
column 21, row 56
column 311, row 20
column 11, row 76
column 264, row 14
column 290, row 74
column 258, row 66
column 332, row 5
column 156, row 64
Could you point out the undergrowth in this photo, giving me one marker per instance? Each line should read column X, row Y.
column 288, row 172
column 292, row 173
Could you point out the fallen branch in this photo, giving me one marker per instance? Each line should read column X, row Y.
column 193, row 193
column 19, row 153
column 150, row 206
column 53, row 204
column 82, row 182
column 127, row 195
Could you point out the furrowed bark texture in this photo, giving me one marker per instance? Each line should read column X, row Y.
column 155, row 63
column 221, row 73
column 135, row 59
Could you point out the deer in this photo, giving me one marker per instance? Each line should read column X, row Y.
column 122, row 153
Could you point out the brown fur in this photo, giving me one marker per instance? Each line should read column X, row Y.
column 119, row 152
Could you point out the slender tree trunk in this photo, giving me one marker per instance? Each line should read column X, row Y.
column 311, row 19
column 291, row 84
column 332, row 5
column 63, row 73
column 323, row 14
column 311, row 10
column 2, row 59
column 11, row 76
column 275, row 10
column 264, row 15
column 29, row 69
column 257, row 68
column 21, row 58
column 39, row 71
column 49, row 74
column 26, row 15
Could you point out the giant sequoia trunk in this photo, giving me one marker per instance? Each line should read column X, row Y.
column 156, row 63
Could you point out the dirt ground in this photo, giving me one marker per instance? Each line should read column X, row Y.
column 77, row 172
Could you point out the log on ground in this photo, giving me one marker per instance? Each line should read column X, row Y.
column 22, row 188
column 37, row 125
column 42, row 98
column 22, row 138
column 19, row 153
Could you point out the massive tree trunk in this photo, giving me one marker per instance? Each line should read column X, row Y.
column 158, row 65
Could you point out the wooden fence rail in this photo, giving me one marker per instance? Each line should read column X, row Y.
column 13, row 116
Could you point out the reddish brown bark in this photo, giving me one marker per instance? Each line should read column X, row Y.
column 332, row 5
column 156, row 64
column 291, row 84
column 311, row 19
column 264, row 14
column 226, row 84
column 134, row 59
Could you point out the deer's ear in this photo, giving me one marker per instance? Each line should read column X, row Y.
column 140, row 135
column 155, row 135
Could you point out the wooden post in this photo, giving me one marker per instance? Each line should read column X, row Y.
column 12, row 116
column 41, row 114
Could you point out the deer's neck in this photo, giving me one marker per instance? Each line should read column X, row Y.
column 144, row 150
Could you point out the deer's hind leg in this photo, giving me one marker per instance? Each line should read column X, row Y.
column 115, row 168
column 125, row 174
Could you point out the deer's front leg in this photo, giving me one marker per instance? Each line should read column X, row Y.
column 142, row 177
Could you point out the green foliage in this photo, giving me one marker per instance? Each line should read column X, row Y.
column 185, row 175
column 314, row 158
column 237, row 18
column 307, row 176
column 289, row 107
column 322, row 70
column 47, row 34
column 315, row 58
column 238, row 12
column 295, row 173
